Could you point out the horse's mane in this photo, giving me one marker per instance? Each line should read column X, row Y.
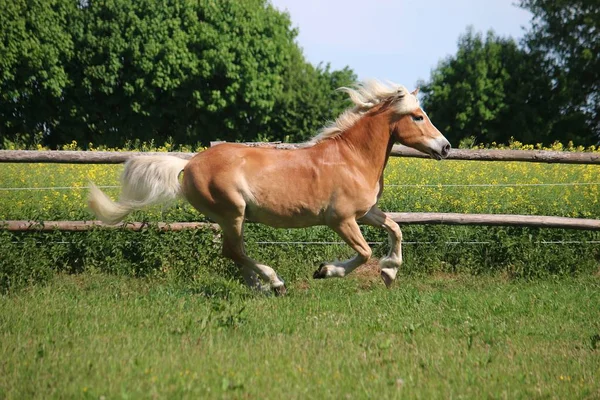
column 365, row 96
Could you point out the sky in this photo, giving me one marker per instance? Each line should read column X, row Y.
column 397, row 40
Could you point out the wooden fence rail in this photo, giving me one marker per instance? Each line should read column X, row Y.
column 77, row 157
column 401, row 218
column 117, row 157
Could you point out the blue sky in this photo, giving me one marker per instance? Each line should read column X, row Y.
column 397, row 40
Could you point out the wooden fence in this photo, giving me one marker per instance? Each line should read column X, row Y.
column 102, row 157
column 117, row 157
column 400, row 218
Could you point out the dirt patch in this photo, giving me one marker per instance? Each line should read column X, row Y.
column 368, row 274
column 302, row 286
column 368, row 270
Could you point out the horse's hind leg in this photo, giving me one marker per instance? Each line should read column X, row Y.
column 233, row 248
column 350, row 232
column 389, row 264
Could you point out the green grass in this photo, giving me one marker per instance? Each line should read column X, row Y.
column 94, row 335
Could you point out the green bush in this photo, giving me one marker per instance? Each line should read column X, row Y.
column 195, row 255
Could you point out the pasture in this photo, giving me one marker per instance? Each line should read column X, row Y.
column 476, row 312
column 436, row 336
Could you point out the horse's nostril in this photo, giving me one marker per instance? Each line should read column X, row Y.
column 446, row 150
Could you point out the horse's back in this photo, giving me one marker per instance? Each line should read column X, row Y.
column 231, row 163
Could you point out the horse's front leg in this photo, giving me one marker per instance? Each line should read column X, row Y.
column 350, row 232
column 390, row 263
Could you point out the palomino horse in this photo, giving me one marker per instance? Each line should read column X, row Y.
column 334, row 180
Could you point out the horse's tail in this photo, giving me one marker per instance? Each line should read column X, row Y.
column 146, row 180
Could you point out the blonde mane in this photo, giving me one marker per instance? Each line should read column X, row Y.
column 365, row 96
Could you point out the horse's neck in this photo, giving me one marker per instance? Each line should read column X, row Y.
column 371, row 143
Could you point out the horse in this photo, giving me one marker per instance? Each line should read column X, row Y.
column 335, row 179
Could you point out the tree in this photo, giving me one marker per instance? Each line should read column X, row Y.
column 108, row 72
column 309, row 100
column 493, row 90
column 193, row 71
column 35, row 47
column 567, row 32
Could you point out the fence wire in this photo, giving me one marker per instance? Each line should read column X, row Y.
column 495, row 184
column 54, row 188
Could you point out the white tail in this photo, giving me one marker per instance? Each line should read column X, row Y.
column 146, row 180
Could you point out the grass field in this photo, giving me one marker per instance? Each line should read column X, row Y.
column 437, row 336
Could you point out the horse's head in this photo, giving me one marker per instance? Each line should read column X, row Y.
column 412, row 127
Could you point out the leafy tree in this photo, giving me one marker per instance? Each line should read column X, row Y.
column 193, row 71
column 567, row 32
column 493, row 90
column 309, row 100
column 108, row 72
column 35, row 46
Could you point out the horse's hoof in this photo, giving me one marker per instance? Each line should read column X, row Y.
column 280, row 290
column 386, row 279
column 388, row 273
column 320, row 273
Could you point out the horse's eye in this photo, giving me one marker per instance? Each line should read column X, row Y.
column 417, row 118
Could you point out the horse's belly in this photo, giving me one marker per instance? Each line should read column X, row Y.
column 284, row 218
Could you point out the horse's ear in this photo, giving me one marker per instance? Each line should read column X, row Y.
column 415, row 92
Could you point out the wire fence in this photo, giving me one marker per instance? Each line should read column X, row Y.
column 444, row 185
column 9, row 189
column 447, row 243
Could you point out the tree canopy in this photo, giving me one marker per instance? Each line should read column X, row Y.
column 567, row 32
column 108, row 72
column 544, row 89
column 493, row 90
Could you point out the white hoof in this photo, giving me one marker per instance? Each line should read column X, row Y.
column 389, row 276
